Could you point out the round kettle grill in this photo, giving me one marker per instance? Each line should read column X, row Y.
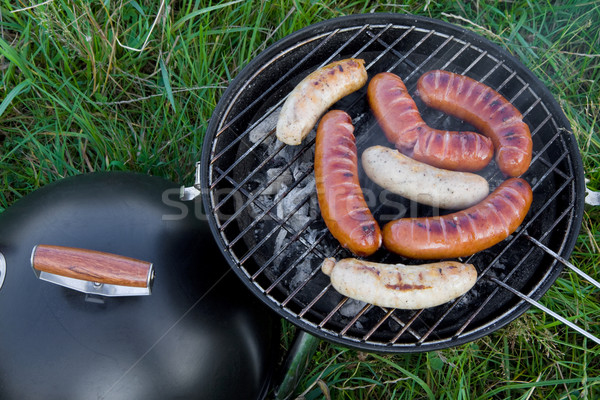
column 260, row 197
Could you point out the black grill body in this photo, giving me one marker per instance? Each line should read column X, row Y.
column 260, row 199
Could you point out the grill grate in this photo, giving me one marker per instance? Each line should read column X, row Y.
column 261, row 201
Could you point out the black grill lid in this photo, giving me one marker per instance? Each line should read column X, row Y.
column 197, row 335
column 261, row 203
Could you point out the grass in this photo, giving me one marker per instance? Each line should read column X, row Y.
column 131, row 85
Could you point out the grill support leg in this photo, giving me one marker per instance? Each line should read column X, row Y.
column 295, row 364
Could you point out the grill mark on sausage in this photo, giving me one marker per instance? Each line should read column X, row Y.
column 472, row 218
column 349, row 186
column 428, row 229
column 461, row 83
column 368, row 227
column 443, row 229
column 482, row 98
column 344, row 159
column 359, row 214
column 446, row 146
column 470, row 90
column 505, row 222
column 448, row 87
column 400, row 285
column 456, row 224
column 513, row 150
column 405, row 287
column 367, row 268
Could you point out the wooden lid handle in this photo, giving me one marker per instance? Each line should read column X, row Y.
column 92, row 266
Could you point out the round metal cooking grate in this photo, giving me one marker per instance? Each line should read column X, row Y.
column 260, row 197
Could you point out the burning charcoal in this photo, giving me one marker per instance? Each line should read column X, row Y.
column 265, row 127
column 282, row 177
column 301, row 273
column 352, row 307
column 298, row 195
column 300, row 169
column 280, row 240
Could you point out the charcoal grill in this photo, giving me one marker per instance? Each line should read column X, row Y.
column 259, row 195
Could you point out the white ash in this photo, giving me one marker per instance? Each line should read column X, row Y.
column 279, row 242
column 352, row 307
column 300, row 169
column 312, row 234
column 534, row 181
column 302, row 273
column 393, row 325
column 499, row 265
column 299, row 194
column 255, row 211
column 265, row 127
column 298, row 218
column 283, row 177
column 311, row 262
column 288, row 153
column 358, row 118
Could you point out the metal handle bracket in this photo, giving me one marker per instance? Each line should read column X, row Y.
column 92, row 272
column 190, row 193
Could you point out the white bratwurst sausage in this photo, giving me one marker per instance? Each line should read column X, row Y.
column 421, row 182
column 315, row 94
column 400, row 286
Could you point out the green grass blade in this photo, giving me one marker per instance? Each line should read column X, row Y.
column 167, row 83
column 22, row 87
column 406, row 372
column 204, row 10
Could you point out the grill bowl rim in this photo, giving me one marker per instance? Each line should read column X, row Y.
column 421, row 22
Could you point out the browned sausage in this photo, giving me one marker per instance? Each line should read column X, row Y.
column 340, row 196
column 465, row 232
column 484, row 108
column 400, row 286
column 403, row 126
column 315, row 94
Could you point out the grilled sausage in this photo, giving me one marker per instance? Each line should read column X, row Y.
column 315, row 94
column 340, row 196
column 403, row 126
column 398, row 285
column 421, row 182
column 484, row 108
column 465, row 232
